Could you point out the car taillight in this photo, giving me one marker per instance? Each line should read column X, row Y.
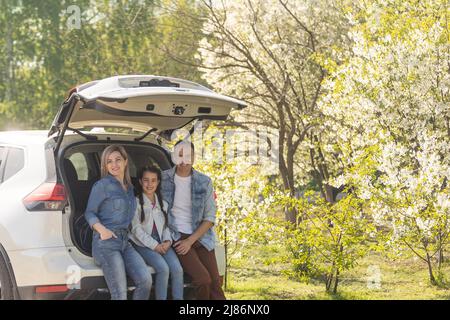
column 48, row 196
column 52, row 289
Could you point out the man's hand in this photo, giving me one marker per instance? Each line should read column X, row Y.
column 183, row 246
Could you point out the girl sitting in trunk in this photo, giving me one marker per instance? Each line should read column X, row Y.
column 151, row 237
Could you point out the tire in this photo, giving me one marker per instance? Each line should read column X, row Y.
column 6, row 285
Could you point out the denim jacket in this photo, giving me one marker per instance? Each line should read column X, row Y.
column 203, row 204
column 110, row 205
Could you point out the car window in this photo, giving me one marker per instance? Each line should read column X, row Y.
column 81, row 167
column 132, row 167
column 50, row 163
column 139, row 157
column 14, row 162
column 2, row 154
column 2, row 160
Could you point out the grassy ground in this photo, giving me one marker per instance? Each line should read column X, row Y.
column 250, row 278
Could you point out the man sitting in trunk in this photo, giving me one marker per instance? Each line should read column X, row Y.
column 192, row 214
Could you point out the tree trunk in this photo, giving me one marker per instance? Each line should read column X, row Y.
column 329, row 281
column 330, row 277
column 287, row 174
column 430, row 270
column 9, row 49
column 441, row 257
column 329, row 195
column 225, row 276
column 336, row 282
column 440, row 252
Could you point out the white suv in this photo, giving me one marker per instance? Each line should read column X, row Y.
column 46, row 177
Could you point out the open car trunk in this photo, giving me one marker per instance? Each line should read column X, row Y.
column 80, row 168
column 142, row 103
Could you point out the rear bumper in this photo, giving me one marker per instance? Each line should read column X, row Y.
column 37, row 269
column 88, row 287
column 51, row 266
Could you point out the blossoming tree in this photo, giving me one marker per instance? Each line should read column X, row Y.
column 389, row 113
column 271, row 53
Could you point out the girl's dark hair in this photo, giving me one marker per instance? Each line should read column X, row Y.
column 157, row 171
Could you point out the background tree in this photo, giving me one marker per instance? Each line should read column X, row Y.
column 333, row 238
column 389, row 113
column 272, row 54
column 43, row 53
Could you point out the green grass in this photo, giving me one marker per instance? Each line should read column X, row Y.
column 249, row 277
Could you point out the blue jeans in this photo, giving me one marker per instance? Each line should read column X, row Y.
column 117, row 258
column 164, row 265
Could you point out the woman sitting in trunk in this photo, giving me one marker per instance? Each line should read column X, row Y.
column 151, row 236
column 109, row 212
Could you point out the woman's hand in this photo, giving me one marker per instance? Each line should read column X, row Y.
column 183, row 246
column 104, row 232
column 107, row 234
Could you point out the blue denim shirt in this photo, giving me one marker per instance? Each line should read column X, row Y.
column 110, row 205
column 203, row 204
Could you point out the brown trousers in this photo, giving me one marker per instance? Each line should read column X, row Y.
column 201, row 265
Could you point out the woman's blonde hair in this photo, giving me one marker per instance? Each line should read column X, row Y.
column 106, row 153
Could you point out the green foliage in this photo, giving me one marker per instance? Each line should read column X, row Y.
column 42, row 55
column 389, row 104
column 398, row 279
column 328, row 238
